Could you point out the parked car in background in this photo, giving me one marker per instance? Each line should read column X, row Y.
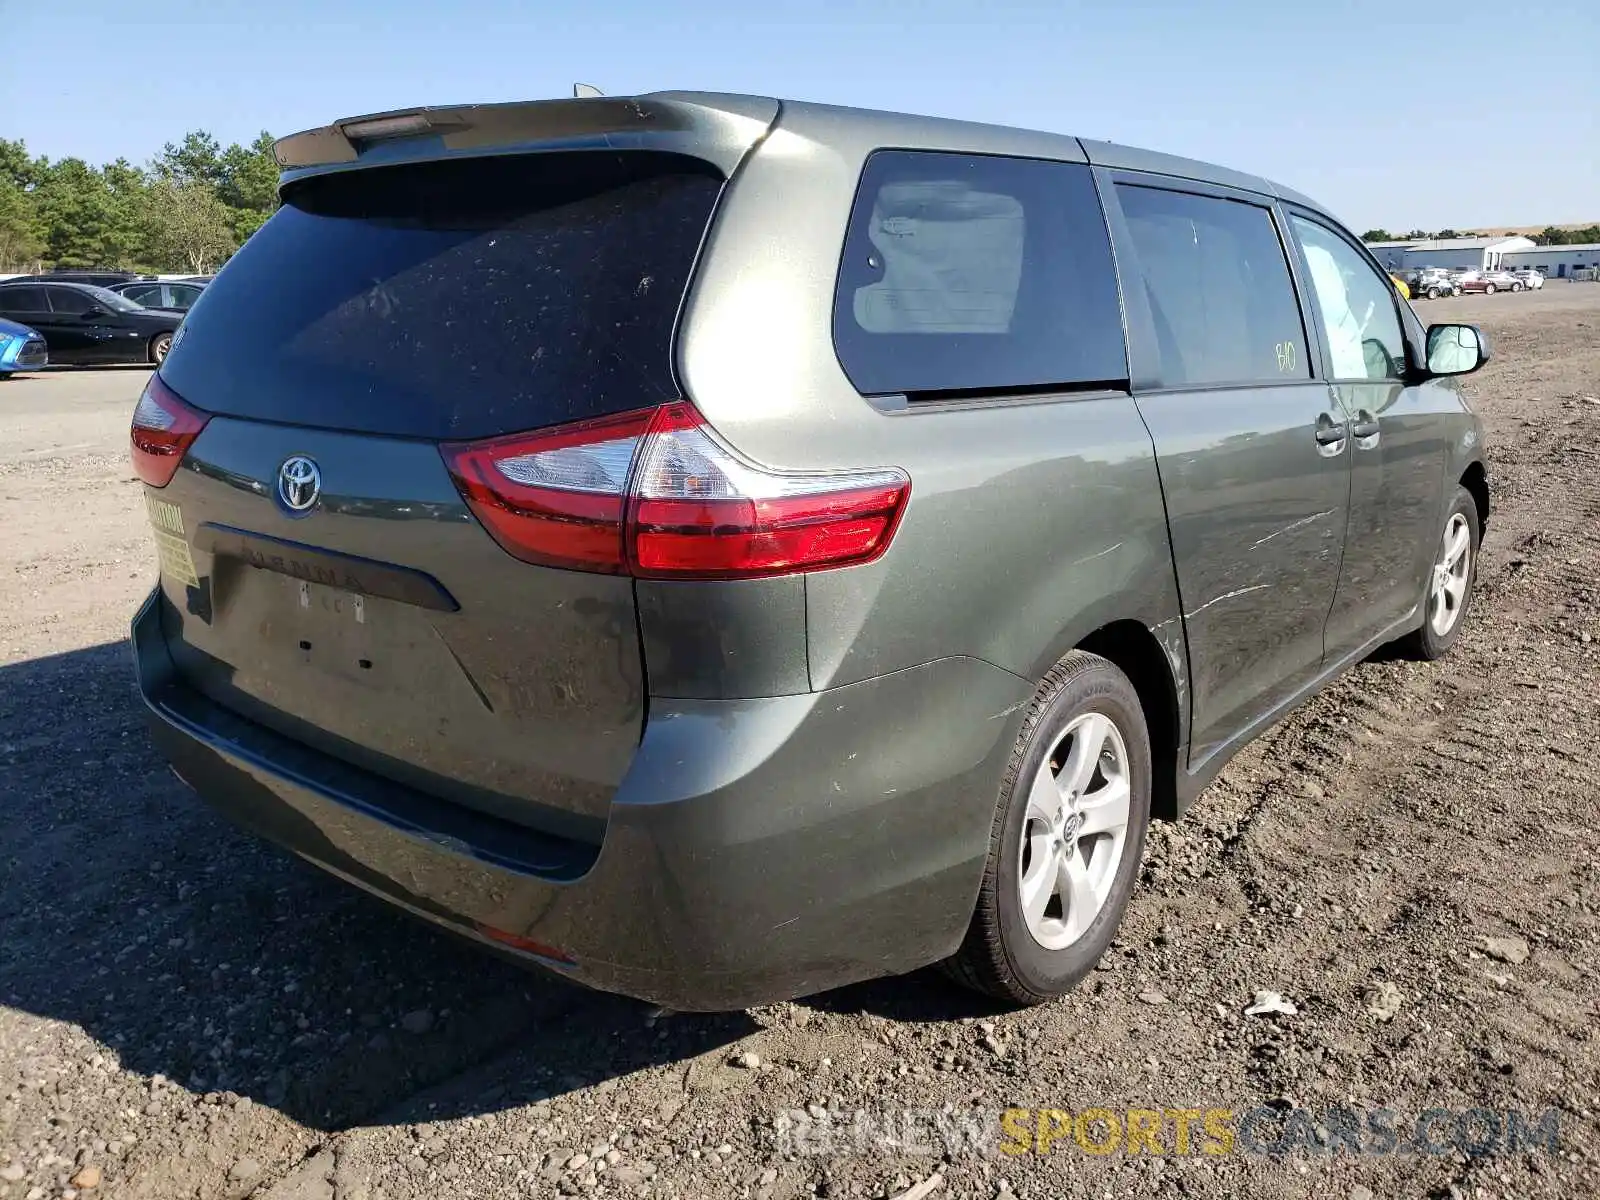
column 21, row 349
column 97, row 278
column 1433, row 282
column 1490, row 282
column 177, row 295
column 625, row 630
column 85, row 324
column 1530, row 278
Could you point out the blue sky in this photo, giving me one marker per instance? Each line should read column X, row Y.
column 1467, row 113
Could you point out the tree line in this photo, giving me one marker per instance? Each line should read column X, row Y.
column 1549, row 236
column 185, row 211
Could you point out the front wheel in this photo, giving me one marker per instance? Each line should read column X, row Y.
column 1067, row 836
column 1433, row 293
column 159, row 345
column 1488, row 289
column 1450, row 580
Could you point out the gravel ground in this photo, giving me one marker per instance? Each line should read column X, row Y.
column 1410, row 860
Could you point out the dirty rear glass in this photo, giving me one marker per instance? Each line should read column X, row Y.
column 455, row 299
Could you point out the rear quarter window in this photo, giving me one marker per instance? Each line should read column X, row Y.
column 977, row 273
column 23, row 299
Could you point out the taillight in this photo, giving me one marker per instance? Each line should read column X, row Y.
column 655, row 493
column 700, row 511
column 164, row 428
column 556, row 498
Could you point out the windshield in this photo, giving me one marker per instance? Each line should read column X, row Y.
column 109, row 299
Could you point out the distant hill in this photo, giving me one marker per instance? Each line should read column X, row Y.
column 1531, row 230
column 1575, row 231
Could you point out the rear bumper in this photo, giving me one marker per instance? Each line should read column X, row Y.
column 756, row 850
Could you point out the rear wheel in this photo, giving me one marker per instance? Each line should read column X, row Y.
column 1433, row 293
column 1450, row 580
column 159, row 345
column 1068, row 833
column 1516, row 287
column 1488, row 289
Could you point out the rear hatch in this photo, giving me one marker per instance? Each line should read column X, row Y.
column 380, row 313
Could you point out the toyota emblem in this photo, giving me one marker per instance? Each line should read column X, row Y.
column 299, row 484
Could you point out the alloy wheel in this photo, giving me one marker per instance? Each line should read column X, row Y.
column 1448, row 593
column 1074, row 831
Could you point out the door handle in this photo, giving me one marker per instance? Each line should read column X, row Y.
column 1365, row 430
column 1330, row 434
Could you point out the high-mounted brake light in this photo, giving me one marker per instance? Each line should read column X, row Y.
column 656, row 493
column 164, row 427
column 373, row 129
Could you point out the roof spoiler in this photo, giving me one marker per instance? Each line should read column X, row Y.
column 719, row 129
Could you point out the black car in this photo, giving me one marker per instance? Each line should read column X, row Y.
column 86, row 324
column 97, row 278
column 156, row 293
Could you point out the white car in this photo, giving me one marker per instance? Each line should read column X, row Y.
column 1530, row 279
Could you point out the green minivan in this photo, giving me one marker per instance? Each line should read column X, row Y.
column 719, row 548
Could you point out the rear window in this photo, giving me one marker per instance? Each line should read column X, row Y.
column 456, row 299
column 976, row 273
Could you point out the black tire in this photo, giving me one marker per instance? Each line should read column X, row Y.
column 999, row 955
column 1427, row 643
column 1433, row 293
column 1488, row 289
column 1516, row 287
column 159, row 345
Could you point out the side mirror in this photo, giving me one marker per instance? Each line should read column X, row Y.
column 1456, row 349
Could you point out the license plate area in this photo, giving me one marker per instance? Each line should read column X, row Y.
column 335, row 632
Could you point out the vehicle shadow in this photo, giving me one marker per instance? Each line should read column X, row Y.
column 196, row 952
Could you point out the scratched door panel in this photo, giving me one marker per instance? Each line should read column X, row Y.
column 1397, row 499
column 1257, row 510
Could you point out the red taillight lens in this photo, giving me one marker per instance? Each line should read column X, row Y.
column 555, row 498
column 657, row 494
column 701, row 512
column 164, row 428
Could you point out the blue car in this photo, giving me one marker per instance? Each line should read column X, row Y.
column 21, row 349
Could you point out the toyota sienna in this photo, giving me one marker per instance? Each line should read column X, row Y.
column 718, row 548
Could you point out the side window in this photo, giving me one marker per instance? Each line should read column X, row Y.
column 970, row 272
column 1358, row 311
column 1220, row 293
column 150, row 294
column 68, row 301
column 23, row 299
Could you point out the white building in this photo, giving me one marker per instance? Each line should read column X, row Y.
column 1482, row 253
column 1557, row 262
column 1391, row 254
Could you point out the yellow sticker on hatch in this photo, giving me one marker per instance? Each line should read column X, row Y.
column 166, row 522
